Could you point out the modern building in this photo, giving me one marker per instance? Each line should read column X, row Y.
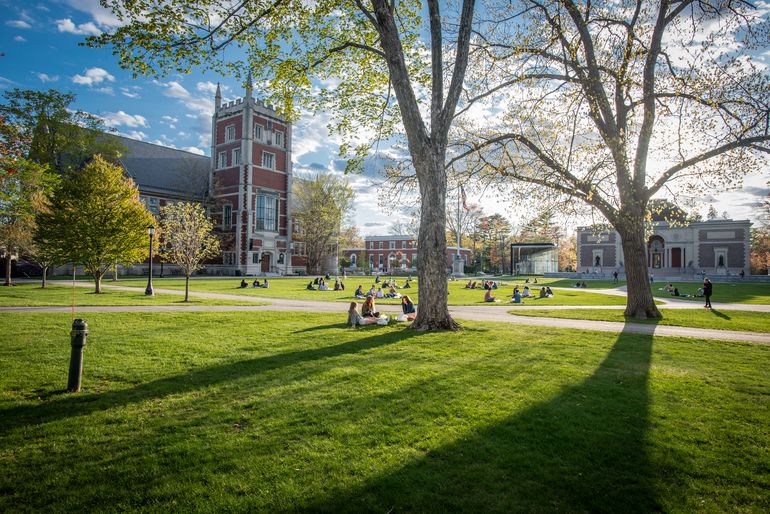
column 718, row 247
column 392, row 253
column 534, row 258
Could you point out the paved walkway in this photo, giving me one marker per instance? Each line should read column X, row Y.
column 490, row 313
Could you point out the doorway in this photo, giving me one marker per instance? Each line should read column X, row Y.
column 265, row 262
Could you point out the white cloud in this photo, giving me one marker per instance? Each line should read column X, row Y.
column 169, row 119
column 18, row 24
column 206, row 87
column 84, row 29
column 106, row 90
column 120, row 118
column 134, row 134
column 44, row 77
column 19, row 39
column 193, row 149
column 102, row 16
column 131, row 91
column 93, row 76
column 175, row 90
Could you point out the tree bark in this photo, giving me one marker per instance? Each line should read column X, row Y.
column 45, row 277
column 432, row 313
column 187, row 287
column 8, row 281
column 639, row 302
column 98, row 282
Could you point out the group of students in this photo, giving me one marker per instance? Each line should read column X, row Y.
column 369, row 314
column 321, row 284
column 376, row 293
column 545, row 292
column 486, row 284
column 256, row 283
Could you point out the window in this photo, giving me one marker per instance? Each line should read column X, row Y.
column 152, row 204
column 266, row 217
column 229, row 133
column 258, row 132
column 255, row 257
column 221, row 159
column 371, row 246
column 227, row 217
column 300, row 249
column 392, row 245
column 353, row 260
column 236, row 156
column 268, row 160
column 380, row 245
column 228, row 258
column 278, row 138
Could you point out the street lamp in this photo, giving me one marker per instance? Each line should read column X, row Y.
column 148, row 291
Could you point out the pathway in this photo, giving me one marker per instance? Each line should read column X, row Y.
column 489, row 313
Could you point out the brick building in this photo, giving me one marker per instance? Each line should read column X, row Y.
column 391, row 253
column 250, row 184
column 718, row 247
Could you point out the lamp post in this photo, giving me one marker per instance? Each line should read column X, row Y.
column 148, row 291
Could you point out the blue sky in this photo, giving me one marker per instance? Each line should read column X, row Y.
column 39, row 41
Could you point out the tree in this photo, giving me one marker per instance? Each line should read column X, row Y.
column 377, row 51
column 188, row 238
column 57, row 135
column 319, row 209
column 96, row 219
column 712, row 214
column 24, row 188
column 494, row 232
column 602, row 89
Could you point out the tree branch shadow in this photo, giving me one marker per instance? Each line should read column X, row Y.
column 583, row 450
column 84, row 404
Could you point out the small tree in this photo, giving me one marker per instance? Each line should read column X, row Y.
column 24, row 187
column 96, row 219
column 188, row 238
column 320, row 207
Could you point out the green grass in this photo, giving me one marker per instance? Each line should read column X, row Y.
column 751, row 293
column 703, row 318
column 58, row 294
column 295, row 288
column 280, row 412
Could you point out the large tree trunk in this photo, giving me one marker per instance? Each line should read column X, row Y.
column 640, row 303
column 432, row 313
column 8, row 268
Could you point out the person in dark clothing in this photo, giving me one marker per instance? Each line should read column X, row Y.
column 244, row 284
column 407, row 306
column 707, row 289
column 310, row 287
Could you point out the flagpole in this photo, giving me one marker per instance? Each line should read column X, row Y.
column 458, row 221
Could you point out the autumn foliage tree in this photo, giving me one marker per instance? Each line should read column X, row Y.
column 96, row 219
column 188, row 238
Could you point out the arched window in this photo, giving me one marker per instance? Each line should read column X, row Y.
column 353, row 259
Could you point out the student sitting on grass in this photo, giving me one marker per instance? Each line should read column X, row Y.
column 322, row 286
column 354, row 318
column 525, row 294
column 548, row 292
column 310, row 286
column 371, row 292
column 392, row 293
column 265, row 285
column 675, row 292
column 359, row 292
column 469, row 285
column 336, row 285
column 368, row 309
column 255, row 283
column 517, row 297
column 244, row 284
column 408, row 308
column 342, row 286
column 543, row 294
column 488, row 296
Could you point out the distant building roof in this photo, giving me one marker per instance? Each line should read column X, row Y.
column 165, row 171
column 387, row 238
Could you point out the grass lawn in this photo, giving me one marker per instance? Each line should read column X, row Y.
column 59, row 294
column 278, row 411
column 724, row 293
column 295, row 288
column 703, row 318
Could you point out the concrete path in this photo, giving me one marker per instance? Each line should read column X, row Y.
column 490, row 313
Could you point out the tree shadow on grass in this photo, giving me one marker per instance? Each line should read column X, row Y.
column 84, row 404
column 583, row 450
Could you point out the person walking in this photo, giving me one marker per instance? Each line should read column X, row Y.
column 707, row 288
